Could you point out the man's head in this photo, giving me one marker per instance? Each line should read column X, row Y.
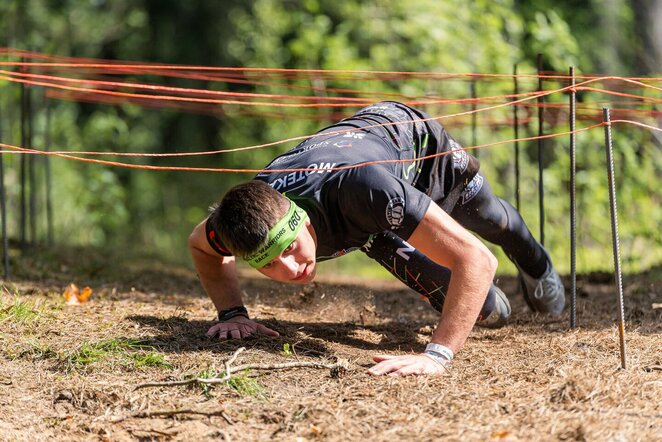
column 268, row 230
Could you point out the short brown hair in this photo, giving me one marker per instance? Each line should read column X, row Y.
column 245, row 214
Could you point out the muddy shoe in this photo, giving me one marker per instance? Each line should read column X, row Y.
column 500, row 314
column 545, row 294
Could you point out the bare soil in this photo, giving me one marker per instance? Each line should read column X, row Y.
column 70, row 372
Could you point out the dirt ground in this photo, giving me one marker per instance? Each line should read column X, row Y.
column 69, row 372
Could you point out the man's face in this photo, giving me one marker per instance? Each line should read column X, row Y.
column 297, row 262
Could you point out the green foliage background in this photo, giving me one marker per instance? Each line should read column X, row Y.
column 154, row 211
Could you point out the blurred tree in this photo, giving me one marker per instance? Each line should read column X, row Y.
column 110, row 206
column 647, row 15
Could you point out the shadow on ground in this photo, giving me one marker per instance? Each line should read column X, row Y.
column 343, row 302
column 178, row 334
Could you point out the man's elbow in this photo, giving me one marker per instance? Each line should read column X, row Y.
column 192, row 241
column 485, row 260
column 197, row 235
column 194, row 246
column 491, row 262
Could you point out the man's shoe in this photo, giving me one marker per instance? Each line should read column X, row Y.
column 500, row 314
column 545, row 294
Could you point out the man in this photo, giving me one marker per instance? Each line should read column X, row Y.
column 401, row 190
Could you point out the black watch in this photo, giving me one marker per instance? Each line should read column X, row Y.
column 230, row 313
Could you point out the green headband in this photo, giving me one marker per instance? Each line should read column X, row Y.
column 281, row 235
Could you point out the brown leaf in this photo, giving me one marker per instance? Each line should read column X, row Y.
column 70, row 293
column 74, row 296
column 84, row 295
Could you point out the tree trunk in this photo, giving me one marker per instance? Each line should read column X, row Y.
column 646, row 14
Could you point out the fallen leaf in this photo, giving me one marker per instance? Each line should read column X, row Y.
column 74, row 296
column 84, row 295
column 70, row 293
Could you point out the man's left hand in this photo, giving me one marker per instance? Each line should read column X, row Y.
column 406, row 365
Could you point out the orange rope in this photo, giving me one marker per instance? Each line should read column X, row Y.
column 303, row 137
column 179, row 90
column 21, row 150
column 133, row 66
column 620, row 94
column 142, row 68
column 636, row 123
column 175, row 98
column 357, row 102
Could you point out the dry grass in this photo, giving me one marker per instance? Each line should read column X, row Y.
column 69, row 372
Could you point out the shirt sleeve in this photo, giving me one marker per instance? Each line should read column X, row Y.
column 373, row 200
column 214, row 241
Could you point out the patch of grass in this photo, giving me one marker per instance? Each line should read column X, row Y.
column 90, row 353
column 87, row 354
column 19, row 312
column 208, row 373
column 37, row 351
column 240, row 383
column 249, row 386
column 151, row 359
column 27, row 348
column 287, row 350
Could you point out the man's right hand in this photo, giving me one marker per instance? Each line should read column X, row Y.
column 239, row 327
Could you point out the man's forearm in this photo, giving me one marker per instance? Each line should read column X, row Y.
column 464, row 299
column 218, row 276
column 472, row 266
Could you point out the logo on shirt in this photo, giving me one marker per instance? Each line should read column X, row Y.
column 302, row 148
column 354, row 135
column 292, row 178
column 343, row 143
column 395, row 212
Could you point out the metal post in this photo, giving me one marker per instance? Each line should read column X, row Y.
column 516, row 135
column 3, row 210
column 541, row 146
column 573, row 201
column 23, row 170
column 474, row 139
column 614, row 233
column 32, row 177
column 47, row 167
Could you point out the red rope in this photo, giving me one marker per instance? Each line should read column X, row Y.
column 356, row 102
column 22, row 150
column 303, row 137
column 137, row 67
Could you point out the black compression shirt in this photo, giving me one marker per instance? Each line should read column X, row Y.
column 347, row 206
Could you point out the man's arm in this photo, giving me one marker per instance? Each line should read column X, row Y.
column 472, row 265
column 218, row 276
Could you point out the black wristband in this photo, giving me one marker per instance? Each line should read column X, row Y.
column 224, row 315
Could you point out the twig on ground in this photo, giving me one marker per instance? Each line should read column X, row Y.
column 231, row 361
column 336, row 370
column 169, row 413
column 144, row 434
